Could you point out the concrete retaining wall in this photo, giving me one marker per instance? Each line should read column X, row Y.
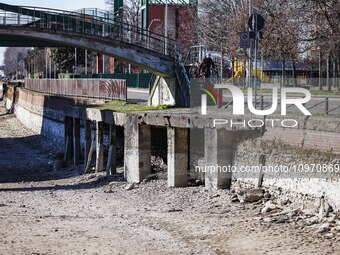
column 45, row 121
column 316, row 142
column 44, row 114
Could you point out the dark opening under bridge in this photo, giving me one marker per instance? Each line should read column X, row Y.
column 102, row 32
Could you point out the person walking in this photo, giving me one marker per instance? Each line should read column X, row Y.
column 206, row 65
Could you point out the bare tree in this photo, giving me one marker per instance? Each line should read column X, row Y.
column 326, row 37
column 220, row 23
column 130, row 11
column 14, row 60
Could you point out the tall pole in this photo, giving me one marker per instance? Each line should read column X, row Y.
column 85, row 61
column 249, row 73
column 221, row 62
column 261, row 63
column 75, row 62
column 149, row 27
column 327, row 81
column 103, row 64
column 33, row 67
column 46, row 62
column 50, row 68
column 29, row 69
column 255, row 71
column 166, row 28
column 320, row 87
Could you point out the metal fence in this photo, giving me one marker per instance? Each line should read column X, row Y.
column 87, row 22
column 108, row 89
column 317, row 104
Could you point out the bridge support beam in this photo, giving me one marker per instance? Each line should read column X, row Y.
column 177, row 157
column 111, row 166
column 99, row 147
column 68, row 135
column 137, row 154
column 87, row 146
column 163, row 91
column 76, row 141
column 218, row 150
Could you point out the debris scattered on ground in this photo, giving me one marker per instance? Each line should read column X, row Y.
column 250, row 195
column 130, row 186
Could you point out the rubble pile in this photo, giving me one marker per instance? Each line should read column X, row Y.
column 279, row 209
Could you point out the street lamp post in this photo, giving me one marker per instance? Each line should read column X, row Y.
column 249, row 71
column 75, row 62
column 166, row 28
column 152, row 21
column 22, row 68
column 85, row 61
column 320, row 87
column 74, row 70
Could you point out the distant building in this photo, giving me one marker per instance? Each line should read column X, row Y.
column 181, row 20
column 274, row 69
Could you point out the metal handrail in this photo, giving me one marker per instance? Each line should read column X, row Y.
column 182, row 78
column 78, row 22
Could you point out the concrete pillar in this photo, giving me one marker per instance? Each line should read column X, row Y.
column 76, row 141
column 178, row 157
column 219, row 155
column 111, row 167
column 68, row 135
column 99, row 146
column 137, row 154
column 87, row 146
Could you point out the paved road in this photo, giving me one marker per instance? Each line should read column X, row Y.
column 138, row 95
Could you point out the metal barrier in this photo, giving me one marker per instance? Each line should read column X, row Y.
column 108, row 89
column 320, row 105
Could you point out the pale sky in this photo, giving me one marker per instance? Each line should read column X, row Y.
column 55, row 4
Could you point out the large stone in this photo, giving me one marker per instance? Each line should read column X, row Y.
column 250, row 195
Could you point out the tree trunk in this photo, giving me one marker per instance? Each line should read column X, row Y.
column 329, row 87
column 337, row 79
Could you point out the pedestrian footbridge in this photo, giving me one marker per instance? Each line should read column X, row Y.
column 102, row 32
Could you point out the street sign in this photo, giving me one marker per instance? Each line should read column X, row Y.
column 256, row 20
column 244, row 40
